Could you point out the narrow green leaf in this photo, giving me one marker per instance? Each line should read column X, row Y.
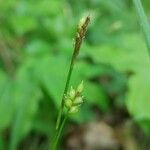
column 143, row 22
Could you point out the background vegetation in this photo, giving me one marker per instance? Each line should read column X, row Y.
column 36, row 40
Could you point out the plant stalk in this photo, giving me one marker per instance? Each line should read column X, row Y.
column 81, row 30
column 59, row 131
column 65, row 90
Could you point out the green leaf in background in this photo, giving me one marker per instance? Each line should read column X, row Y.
column 84, row 115
column 23, row 24
column 51, row 73
column 138, row 99
column 96, row 96
column 132, row 58
column 37, row 48
column 124, row 57
column 6, row 101
column 6, row 105
column 27, row 96
column 1, row 141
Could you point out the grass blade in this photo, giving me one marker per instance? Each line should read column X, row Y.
column 143, row 22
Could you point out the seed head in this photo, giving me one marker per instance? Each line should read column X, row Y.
column 81, row 30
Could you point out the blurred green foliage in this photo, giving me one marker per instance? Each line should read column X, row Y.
column 35, row 50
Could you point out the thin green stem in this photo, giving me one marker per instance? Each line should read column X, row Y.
column 65, row 91
column 81, row 30
column 58, row 133
column 143, row 22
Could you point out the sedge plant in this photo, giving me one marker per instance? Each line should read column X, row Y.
column 71, row 100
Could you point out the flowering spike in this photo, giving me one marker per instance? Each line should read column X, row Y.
column 81, row 30
column 74, row 99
